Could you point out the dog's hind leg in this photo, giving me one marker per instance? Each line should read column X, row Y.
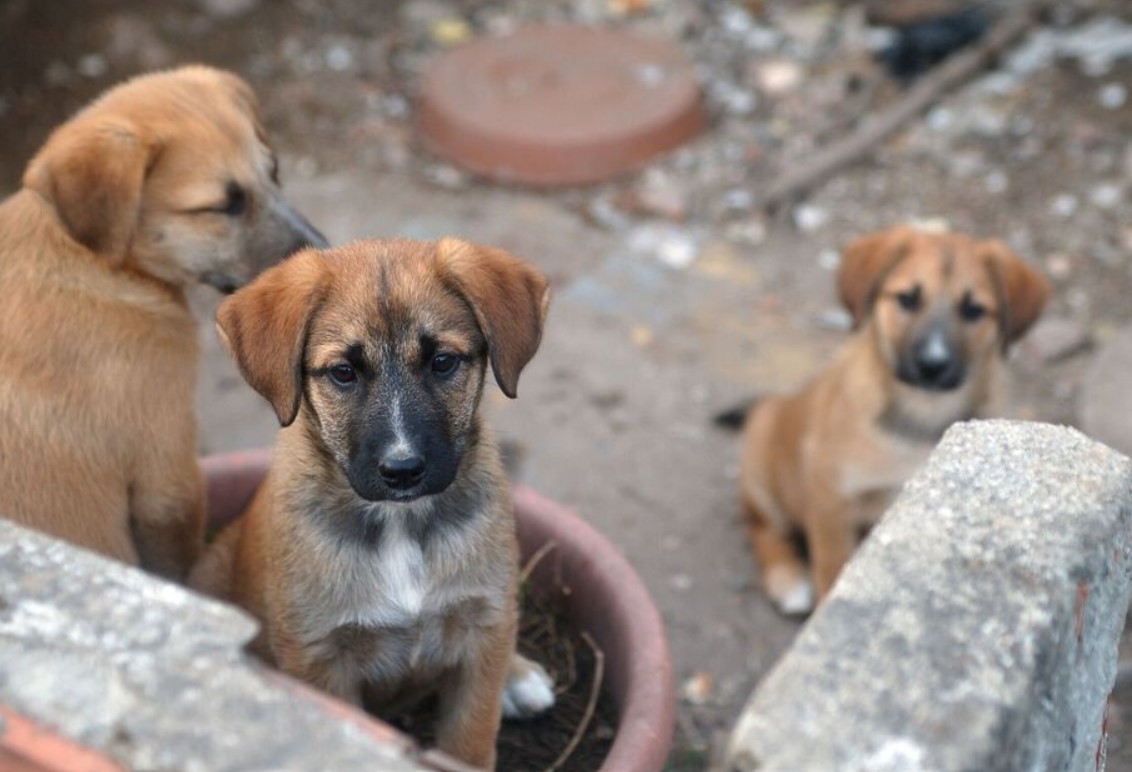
column 785, row 576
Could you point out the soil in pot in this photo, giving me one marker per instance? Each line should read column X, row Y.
column 576, row 734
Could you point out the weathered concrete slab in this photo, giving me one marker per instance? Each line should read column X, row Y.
column 976, row 629
column 154, row 676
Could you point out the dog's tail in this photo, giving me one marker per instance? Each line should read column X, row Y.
column 734, row 418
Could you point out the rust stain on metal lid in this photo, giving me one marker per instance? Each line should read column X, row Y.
column 559, row 104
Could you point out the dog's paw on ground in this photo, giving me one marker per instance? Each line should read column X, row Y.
column 791, row 593
column 529, row 692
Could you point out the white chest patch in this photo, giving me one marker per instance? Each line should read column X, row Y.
column 395, row 584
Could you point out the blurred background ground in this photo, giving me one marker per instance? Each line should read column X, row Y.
column 674, row 295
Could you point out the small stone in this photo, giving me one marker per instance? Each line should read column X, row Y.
column 1112, row 96
column 1064, row 205
column 641, row 335
column 627, row 7
column 941, row 119
column 674, row 246
column 996, row 182
column 735, row 20
column 445, row 176
column 659, row 194
column 1106, row 196
column 603, row 211
column 738, row 199
column 776, row 77
column 1059, row 266
column 93, row 66
column 421, row 15
column 450, row 31
column 697, row 689
column 339, row 58
column 809, row 218
column 395, row 106
column 835, row 319
column 1077, row 298
column 806, row 24
column 682, row 582
column 499, row 23
column 829, row 259
column 751, row 232
column 228, row 9
column 734, row 100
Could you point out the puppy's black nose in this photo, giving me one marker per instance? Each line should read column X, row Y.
column 936, row 364
column 932, row 367
column 401, row 471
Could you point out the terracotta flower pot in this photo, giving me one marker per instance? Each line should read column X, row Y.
column 607, row 600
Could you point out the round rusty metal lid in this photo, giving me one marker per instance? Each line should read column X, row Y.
column 559, row 104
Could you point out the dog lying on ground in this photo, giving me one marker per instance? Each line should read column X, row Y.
column 162, row 182
column 380, row 552
column 934, row 315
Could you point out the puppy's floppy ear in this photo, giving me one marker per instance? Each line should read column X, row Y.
column 509, row 298
column 864, row 264
column 264, row 327
column 92, row 173
column 1022, row 290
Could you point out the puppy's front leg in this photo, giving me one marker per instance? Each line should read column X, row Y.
column 471, row 699
column 832, row 538
column 167, row 513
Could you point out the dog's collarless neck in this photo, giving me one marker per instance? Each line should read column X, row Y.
column 903, row 425
column 366, row 524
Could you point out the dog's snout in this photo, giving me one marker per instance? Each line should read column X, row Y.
column 401, row 471
column 305, row 234
column 935, row 362
column 933, row 356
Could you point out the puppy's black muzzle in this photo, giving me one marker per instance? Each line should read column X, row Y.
column 933, row 363
column 305, row 234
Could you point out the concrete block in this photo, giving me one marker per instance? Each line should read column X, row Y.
column 977, row 627
column 153, row 676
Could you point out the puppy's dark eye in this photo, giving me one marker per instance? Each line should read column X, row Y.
column 909, row 300
column 971, row 310
column 445, row 365
column 236, row 201
column 343, row 375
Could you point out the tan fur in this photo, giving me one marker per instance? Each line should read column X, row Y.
column 98, row 348
column 827, row 461
column 335, row 611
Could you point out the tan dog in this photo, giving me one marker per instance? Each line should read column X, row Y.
column 934, row 316
column 380, row 553
column 162, row 182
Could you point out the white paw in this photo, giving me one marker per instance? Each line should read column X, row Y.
column 798, row 600
column 790, row 588
column 528, row 694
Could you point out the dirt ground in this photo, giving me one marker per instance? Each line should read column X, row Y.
column 674, row 296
